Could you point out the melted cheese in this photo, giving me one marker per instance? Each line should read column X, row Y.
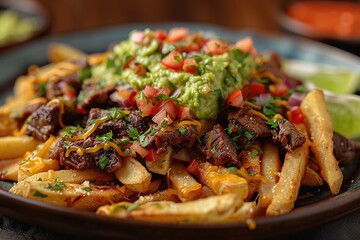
column 80, row 151
column 189, row 122
column 259, row 114
column 91, row 129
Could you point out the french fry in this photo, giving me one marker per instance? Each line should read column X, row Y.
column 292, row 172
column 245, row 212
column 312, row 178
column 222, row 182
column 133, row 175
column 9, row 169
column 162, row 162
column 84, row 197
column 58, row 52
column 15, row 147
column 211, row 209
column 319, row 123
column 164, row 195
column 74, row 176
column 186, row 186
column 270, row 170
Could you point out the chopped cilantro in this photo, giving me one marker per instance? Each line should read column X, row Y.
column 182, row 130
column 133, row 206
column 273, row 124
column 117, row 114
column 125, row 141
column 87, row 189
column 107, row 137
column 177, row 58
column 251, row 172
column 230, row 129
column 232, row 169
column 143, row 140
column 238, row 55
column 42, row 88
column 69, row 132
column 270, row 109
column 213, row 150
column 255, row 153
column 248, row 135
column 110, row 61
column 164, row 123
column 162, row 97
column 84, row 74
column 103, row 162
column 39, row 194
column 56, row 187
column 39, row 179
column 134, row 133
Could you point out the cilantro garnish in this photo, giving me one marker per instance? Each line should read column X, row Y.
column 39, row 194
column 255, row 153
column 238, row 55
column 56, row 187
column 107, row 137
column 232, row 169
column 248, row 135
column 270, row 109
column 274, row 124
column 87, row 189
column 182, row 131
column 177, row 58
column 103, row 162
column 84, row 74
column 213, row 150
column 164, row 123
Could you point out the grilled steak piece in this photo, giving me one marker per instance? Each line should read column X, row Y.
column 92, row 95
column 63, row 86
column 176, row 137
column 217, row 145
column 345, row 150
column 289, row 137
column 244, row 124
column 28, row 110
column 108, row 160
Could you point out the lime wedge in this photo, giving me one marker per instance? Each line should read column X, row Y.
column 334, row 79
column 345, row 113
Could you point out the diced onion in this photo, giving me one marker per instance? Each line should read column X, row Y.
column 295, row 99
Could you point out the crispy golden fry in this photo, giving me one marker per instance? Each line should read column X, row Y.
column 222, row 182
column 164, row 195
column 270, row 169
column 58, row 52
column 98, row 58
column 312, row 178
column 211, row 209
column 85, row 197
column 319, row 123
column 133, row 175
column 9, row 169
column 162, row 162
column 245, row 212
column 292, row 172
column 14, row 147
column 74, row 176
column 186, row 186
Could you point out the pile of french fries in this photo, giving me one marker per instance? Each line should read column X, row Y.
column 216, row 194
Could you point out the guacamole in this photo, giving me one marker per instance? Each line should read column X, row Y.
column 203, row 92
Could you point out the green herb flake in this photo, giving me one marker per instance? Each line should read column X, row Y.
column 182, row 130
column 255, row 153
column 104, row 161
column 39, row 194
column 134, row 133
column 107, row 137
column 86, row 189
column 56, row 187
column 238, row 55
column 248, row 135
column 133, row 206
column 164, row 124
column 213, row 150
column 39, row 179
column 69, row 132
column 232, row 169
column 251, row 172
column 162, row 97
column 42, row 89
column 84, row 74
column 270, row 109
column 177, row 58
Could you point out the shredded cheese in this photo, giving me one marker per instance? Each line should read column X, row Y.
column 91, row 129
column 80, row 151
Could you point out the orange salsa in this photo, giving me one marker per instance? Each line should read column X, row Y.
column 331, row 18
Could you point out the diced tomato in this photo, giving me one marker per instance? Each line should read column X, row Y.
column 190, row 66
column 151, row 156
column 246, row 45
column 296, row 115
column 215, row 47
column 127, row 63
column 193, row 167
column 145, row 105
column 177, row 34
column 168, row 105
column 184, row 113
column 164, row 90
column 132, row 98
column 174, row 60
column 236, row 99
column 67, row 90
column 161, row 116
column 81, row 110
column 138, row 37
column 160, row 35
column 150, row 91
column 252, row 90
column 279, row 89
column 139, row 149
column 138, row 69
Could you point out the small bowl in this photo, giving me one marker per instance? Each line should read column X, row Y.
column 293, row 24
column 29, row 9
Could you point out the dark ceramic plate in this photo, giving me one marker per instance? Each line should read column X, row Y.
column 315, row 207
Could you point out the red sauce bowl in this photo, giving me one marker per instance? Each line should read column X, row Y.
column 322, row 19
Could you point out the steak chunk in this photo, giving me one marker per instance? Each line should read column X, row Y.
column 184, row 137
column 289, row 137
column 108, row 160
column 217, row 145
column 345, row 150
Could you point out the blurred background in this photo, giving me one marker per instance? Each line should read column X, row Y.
column 62, row 16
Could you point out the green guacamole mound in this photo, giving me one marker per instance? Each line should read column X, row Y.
column 203, row 93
